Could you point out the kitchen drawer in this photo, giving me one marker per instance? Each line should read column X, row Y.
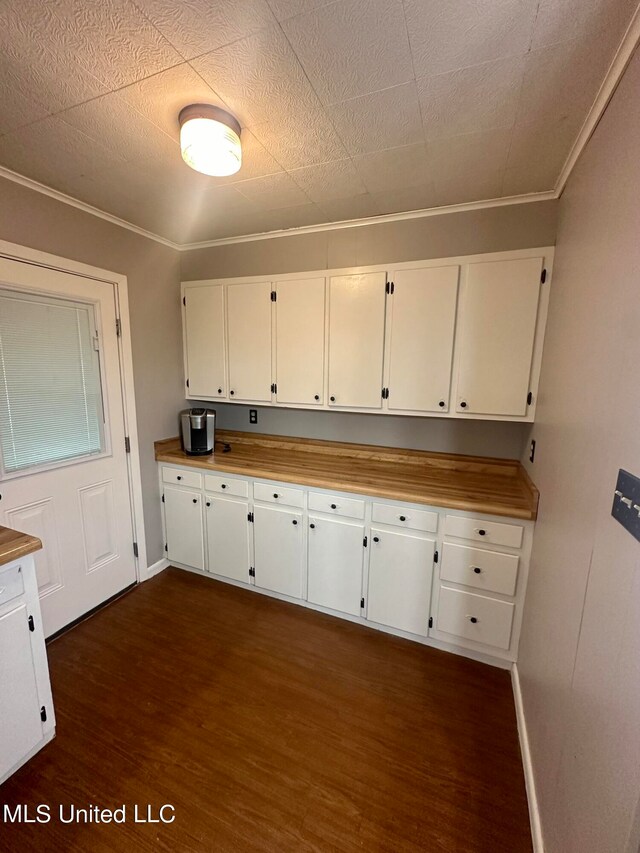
column 335, row 505
column 226, row 486
column 415, row 519
column 475, row 617
column 489, row 532
column 278, row 494
column 486, row 570
column 11, row 584
column 182, row 477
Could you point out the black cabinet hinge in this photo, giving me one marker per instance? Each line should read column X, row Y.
column 529, row 398
column 274, row 388
column 43, row 714
column 250, row 517
column 118, row 327
column 252, row 572
column 390, row 287
column 274, row 296
column 365, row 540
column 163, row 499
column 32, row 626
column 187, row 383
column 362, row 603
column 135, row 549
column 431, row 621
column 543, row 277
column 127, row 444
column 436, row 556
column 385, row 393
column 166, row 547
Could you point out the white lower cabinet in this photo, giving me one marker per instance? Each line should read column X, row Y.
column 228, row 537
column 483, row 620
column 336, row 555
column 184, row 527
column 400, row 576
column 278, row 549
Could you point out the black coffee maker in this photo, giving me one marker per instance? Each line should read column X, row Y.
column 198, row 431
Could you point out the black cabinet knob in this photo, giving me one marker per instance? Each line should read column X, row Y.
column 208, row 503
column 463, row 404
column 317, row 397
column 376, row 539
column 275, row 494
column 333, row 399
column 312, row 526
column 223, row 486
column 477, row 570
column 403, row 518
column 442, row 404
column 482, row 532
column 334, row 506
column 294, row 521
column 178, row 477
column 473, row 619
column 232, row 393
column 195, row 500
column 219, row 390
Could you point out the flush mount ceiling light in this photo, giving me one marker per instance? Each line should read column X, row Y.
column 210, row 140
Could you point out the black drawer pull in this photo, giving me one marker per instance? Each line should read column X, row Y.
column 482, row 532
column 333, row 399
column 195, row 500
column 223, row 486
column 403, row 518
column 232, row 393
column 208, row 503
column 312, row 526
column 178, row 477
column 473, row 619
column 219, row 390
column 334, row 506
column 463, row 404
column 442, row 404
column 477, row 570
column 294, row 521
column 275, row 494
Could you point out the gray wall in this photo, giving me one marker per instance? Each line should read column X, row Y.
column 491, row 230
column 32, row 219
column 580, row 650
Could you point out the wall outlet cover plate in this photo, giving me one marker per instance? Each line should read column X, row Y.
column 626, row 502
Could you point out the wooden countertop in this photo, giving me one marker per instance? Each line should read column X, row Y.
column 474, row 483
column 14, row 545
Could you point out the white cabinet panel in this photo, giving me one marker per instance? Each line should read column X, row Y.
column 204, row 341
column 356, row 340
column 400, row 574
column 19, row 704
column 227, row 537
column 499, row 309
column 279, row 556
column 475, row 617
column 249, row 332
column 184, row 527
column 300, row 313
column 422, row 317
column 336, row 552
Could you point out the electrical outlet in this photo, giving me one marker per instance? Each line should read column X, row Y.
column 532, row 450
column 253, row 416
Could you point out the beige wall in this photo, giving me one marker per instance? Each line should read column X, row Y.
column 491, row 230
column 152, row 270
column 580, row 649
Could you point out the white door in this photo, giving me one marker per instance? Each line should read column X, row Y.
column 356, row 340
column 400, row 574
column 19, row 705
column 300, row 341
column 204, row 341
column 336, row 550
column 278, row 552
column 249, row 335
column 227, row 537
column 422, row 319
column 183, row 526
column 499, row 309
column 62, row 436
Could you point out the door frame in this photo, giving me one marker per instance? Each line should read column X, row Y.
column 25, row 254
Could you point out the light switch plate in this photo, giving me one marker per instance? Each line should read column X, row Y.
column 626, row 502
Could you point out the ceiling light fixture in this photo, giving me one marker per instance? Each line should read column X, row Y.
column 210, row 140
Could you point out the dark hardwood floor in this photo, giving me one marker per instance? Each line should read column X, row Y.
column 269, row 727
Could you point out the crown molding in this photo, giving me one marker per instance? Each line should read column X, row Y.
column 629, row 42
column 43, row 189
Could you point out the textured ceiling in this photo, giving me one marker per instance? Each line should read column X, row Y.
column 349, row 109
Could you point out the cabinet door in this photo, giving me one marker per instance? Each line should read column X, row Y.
column 183, row 524
column 227, row 537
column 19, row 705
column 335, row 564
column 400, row 574
column 499, row 310
column 356, row 340
column 249, row 335
column 423, row 316
column 278, row 553
column 204, row 341
column 300, row 341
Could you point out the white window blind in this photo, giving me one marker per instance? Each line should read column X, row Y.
column 50, row 392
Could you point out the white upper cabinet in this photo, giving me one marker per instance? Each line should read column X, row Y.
column 204, row 341
column 356, row 340
column 499, row 310
column 421, row 326
column 299, row 341
column 249, row 332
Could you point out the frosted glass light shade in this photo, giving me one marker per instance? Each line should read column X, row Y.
column 210, row 140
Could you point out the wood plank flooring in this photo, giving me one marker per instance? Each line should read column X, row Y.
column 269, row 727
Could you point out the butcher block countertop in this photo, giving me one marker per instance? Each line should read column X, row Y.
column 14, row 545
column 472, row 483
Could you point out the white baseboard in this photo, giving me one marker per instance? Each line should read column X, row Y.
column 155, row 568
column 532, row 797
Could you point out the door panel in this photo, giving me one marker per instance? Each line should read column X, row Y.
column 184, row 527
column 400, row 574
column 278, row 554
column 335, row 564
column 249, row 325
column 204, row 340
column 423, row 317
column 356, row 340
column 495, row 343
column 300, row 341
column 227, row 538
